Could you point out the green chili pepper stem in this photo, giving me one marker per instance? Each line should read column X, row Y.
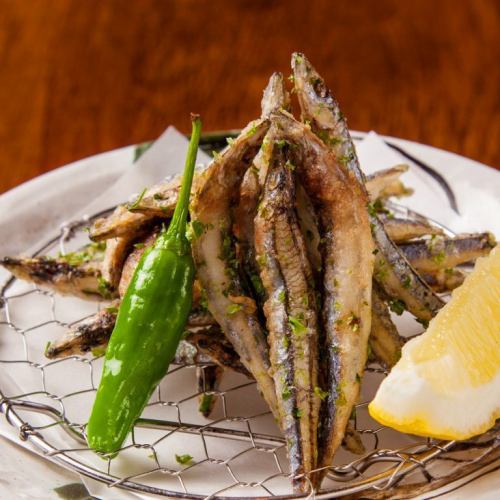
column 175, row 236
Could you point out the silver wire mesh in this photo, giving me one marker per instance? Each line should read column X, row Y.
column 238, row 452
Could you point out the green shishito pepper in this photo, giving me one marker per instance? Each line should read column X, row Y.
column 149, row 326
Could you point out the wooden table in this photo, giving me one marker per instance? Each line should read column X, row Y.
column 78, row 77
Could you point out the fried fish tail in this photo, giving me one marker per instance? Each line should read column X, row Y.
column 385, row 183
column 204, row 343
column 401, row 230
column 208, row 380
column 438, row 253
column 57, row 274
column 212, row 343
column 91, row 334
column 385, row 341
column 352, row 441
column 445, row 280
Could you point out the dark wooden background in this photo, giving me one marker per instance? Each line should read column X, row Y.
column 78, row 77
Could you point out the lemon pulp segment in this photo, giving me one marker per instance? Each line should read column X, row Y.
column 447, row 383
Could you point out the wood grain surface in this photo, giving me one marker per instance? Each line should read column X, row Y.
column 78, row 77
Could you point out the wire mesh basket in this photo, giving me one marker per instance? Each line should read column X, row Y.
column 238, row 452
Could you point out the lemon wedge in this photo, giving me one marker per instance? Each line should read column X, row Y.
column 447, row 382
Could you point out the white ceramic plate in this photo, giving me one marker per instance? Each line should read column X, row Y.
column 35, row 208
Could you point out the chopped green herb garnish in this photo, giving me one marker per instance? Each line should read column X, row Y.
column 298, row 327
column 112, row 309
column 98, row 246
column 431, row 242
column 439, row 257
column 371, row 209
column 345, row 159
column 74, row 258
column 380, row 208
column 423, row 322
column 104, row 287
column 320, row 393
column 228, row 254
column 197, row 228
column 139, row 245
column 261, row 260
column 297, row 412
column 407, row 282
column 253, row 129
column 135, row 204
column 233, row 309
column 324, row 135
column 98, row 351
column 282, row 296
column 354, row 322
column 397, row 306
column 257, row 284
column 203, row 300
column 286, row 393
column 254, row 169
column 341, row 400
column 140, row 149
column 91, row 252
column 205, row 403
column 157, row 197
column 229, row 140
column 381, row 273
column 183, row 459
column 262, row 209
